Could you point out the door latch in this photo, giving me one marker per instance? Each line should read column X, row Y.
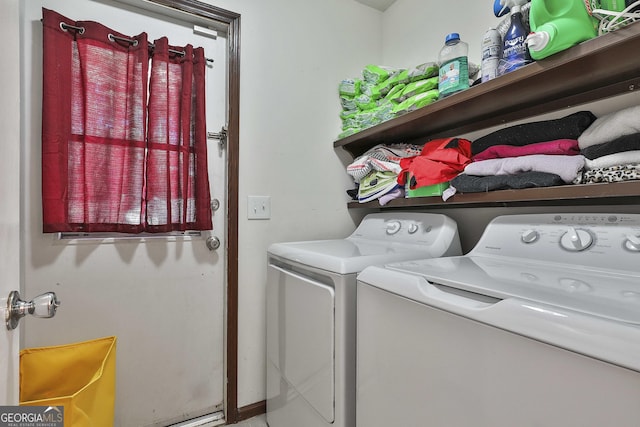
column 220, row 136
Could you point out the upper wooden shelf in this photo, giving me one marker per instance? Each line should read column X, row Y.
column 602, row 67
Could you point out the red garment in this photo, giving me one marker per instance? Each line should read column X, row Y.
column 441, row 160
column 567, row 147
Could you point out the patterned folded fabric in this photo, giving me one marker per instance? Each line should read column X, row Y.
column 381, row 158
column 618, row 173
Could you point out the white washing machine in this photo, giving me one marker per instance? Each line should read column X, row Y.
column 311, row 300
column 539, row 325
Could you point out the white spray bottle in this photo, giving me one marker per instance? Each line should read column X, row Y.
column 515, row 52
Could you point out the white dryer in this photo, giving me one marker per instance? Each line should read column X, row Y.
column 539, row 325
column 311, row 300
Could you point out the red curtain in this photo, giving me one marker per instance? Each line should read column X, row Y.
column 177, row 194
column 99, row 171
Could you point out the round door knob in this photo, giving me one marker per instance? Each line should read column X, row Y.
column 43, row 306
column 213, row 243
column 576, row 240
column 632, row 242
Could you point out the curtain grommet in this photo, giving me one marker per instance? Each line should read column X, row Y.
column 65, row 27
column 113, row 38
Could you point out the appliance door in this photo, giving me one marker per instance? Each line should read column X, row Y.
column 300, row 337
column 420, row 363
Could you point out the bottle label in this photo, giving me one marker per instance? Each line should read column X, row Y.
column 453, row 75
column 515, row 47
column 491, row 44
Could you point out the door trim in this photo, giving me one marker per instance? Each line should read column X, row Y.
column 232, row 19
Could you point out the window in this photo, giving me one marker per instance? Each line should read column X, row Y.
column 123, row 132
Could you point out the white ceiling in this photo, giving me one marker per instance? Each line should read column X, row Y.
column 381, row 5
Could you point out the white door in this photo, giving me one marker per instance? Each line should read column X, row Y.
column 10, row 205
column 162, row 298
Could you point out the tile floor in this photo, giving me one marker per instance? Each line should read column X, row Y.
column 259, row 421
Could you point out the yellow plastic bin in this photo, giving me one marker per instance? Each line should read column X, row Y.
column 78, row 376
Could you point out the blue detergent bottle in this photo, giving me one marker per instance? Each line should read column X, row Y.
column 557, row 25
column 515, row 52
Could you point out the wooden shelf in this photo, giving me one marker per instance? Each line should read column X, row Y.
column 599, row 68
column 623, row 193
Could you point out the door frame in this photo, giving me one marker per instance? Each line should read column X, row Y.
column 233, row 413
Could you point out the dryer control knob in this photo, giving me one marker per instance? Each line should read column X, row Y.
column 530, row 236
column 632, row 242
column 576, row 240
column 393, row 227
column 413, row 228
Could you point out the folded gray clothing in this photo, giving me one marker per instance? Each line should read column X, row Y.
column 621, row 144
column 568, row 127
column 611, row 126
column 464, row 183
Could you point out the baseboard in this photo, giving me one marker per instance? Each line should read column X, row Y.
column 252, row 410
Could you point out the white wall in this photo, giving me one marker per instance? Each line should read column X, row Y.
column 293, row 55
column 414, row 30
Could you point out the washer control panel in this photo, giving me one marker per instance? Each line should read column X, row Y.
column 409, row 228
column 596, row 240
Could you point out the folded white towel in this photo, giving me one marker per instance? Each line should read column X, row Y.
column 567, row 167
column 611, row 126
column 623, row 158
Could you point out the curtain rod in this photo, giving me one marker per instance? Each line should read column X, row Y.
column 64, row 26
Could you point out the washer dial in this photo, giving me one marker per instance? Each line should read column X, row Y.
column 576, row 239
column 413, row 228
column 393, row 227
column 530, row 236
column 632, row 242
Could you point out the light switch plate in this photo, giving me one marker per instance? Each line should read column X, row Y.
column 259, row 207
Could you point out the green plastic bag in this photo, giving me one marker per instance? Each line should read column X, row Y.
column 417, row 101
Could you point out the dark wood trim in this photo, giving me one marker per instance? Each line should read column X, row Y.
column 202, row 10
column 252, row 410
column 233, row 173
column 623, row 193
column 232, row 19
